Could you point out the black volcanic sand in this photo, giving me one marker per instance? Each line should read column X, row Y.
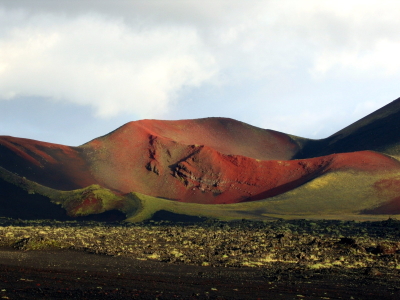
column 42, row 259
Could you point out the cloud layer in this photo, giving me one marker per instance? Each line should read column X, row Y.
column 92, row 61
column 147, row 58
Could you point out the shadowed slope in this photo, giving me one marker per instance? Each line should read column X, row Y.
column 77, row 203
column 57, row 166
column 16, row 203
column 379, row 131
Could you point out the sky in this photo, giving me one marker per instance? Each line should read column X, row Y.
column 71, row 71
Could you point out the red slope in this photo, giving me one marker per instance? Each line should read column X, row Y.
column 391, row 207
column 200, row 161
column 231, row 176
column 225, row 135
column 122, row 159
column 137, row 158
column 53, row 165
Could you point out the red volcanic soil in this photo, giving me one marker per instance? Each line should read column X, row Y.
column 225, row 135
column 210, row 161
column 254, row 180
column 391, row 207
column 136, row 157
column 57, row 166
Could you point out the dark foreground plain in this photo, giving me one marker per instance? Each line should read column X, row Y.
column 206, row 260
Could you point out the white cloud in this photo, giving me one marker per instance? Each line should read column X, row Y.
column 380, row 61
column 136, row 56
column 90, row 60
column 356, row 39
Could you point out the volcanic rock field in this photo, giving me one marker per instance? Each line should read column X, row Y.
column 206, row 259
column 315, row 244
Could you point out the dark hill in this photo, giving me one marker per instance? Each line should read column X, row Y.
column 379, row 131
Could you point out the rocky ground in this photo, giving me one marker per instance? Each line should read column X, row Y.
column 363, row 254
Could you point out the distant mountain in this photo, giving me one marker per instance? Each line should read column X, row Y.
column 213, row 167
column 379, row 131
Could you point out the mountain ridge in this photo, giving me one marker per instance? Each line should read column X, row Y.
column 377, row 131
column 216, row 161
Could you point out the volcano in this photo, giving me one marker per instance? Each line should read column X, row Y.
column 212, row 167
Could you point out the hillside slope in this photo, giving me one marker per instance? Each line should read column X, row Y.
column 379, row 131
column 57, row 166
column 212, row 162
column 224, row 135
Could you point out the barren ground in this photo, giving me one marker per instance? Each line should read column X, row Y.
column 204, row 260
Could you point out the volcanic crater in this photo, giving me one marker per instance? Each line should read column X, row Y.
column 216, row 167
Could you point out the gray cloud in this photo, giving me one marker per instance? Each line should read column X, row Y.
column 92, row 61
column 286, row 59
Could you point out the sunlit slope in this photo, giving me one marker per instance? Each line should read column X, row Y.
column 379, row 131
column 135, row 159
column 214, row 160
column 340, row 194
column 337, row 195
column 227, row 136
column 151, row 156
column 213, row 167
